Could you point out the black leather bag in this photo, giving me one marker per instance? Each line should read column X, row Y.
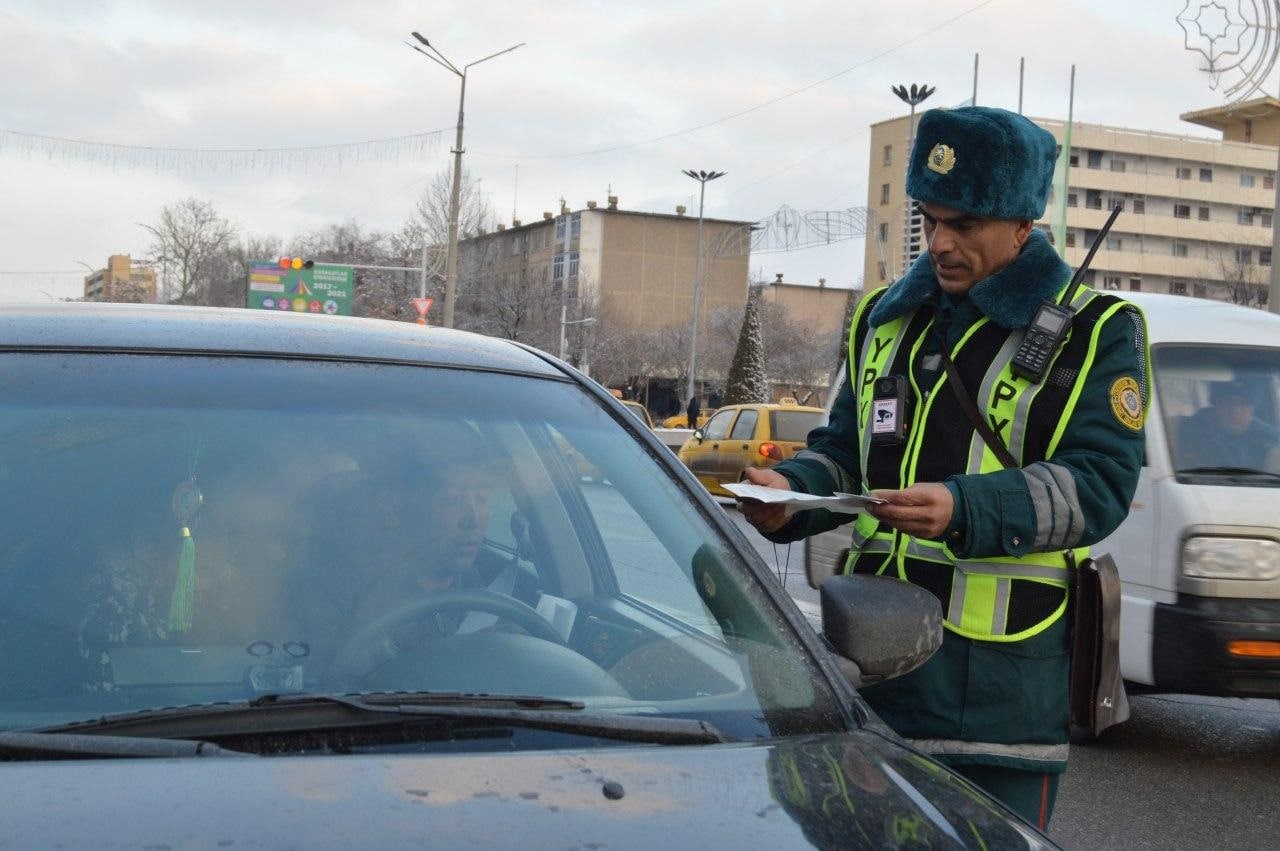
column 1098, row 699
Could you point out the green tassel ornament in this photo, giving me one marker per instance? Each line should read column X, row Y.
column 182, row 604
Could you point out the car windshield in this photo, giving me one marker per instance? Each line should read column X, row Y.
column 1220, row 409
column 794, row 425
column 185, row 529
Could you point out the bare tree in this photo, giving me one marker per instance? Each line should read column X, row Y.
column 229, row 275
column 379, row 293
column 429, row 220
column 187, row 239
column 1242, row 279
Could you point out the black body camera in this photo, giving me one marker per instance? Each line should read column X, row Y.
column 889, row 411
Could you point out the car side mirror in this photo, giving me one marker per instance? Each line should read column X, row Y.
column 698, row 435
column 879, row 627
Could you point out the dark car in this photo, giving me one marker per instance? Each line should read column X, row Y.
column 289, row 580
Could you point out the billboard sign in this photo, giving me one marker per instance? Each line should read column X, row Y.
column 322, row 288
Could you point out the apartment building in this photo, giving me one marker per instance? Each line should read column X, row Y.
column 819, row 308
column 638, row 267
column 121, row 281
column 1197, row 213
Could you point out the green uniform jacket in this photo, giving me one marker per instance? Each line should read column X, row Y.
column 1010, row 698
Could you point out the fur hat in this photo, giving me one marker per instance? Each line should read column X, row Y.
column 984, row 161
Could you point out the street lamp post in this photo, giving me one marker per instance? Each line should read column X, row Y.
column 455, row 193
column 702, row 177
column 566, row 322
column 912, row 97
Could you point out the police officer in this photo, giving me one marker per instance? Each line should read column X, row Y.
column 988, row 539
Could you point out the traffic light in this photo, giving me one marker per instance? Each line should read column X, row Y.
column 296, row 263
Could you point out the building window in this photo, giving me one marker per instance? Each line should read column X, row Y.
column 1071, row 239
column 1244, row 216
column 561, row 223
column 557, row 268
column 516, row 242
column 1111, row 282
column 1246, row 180
column 1203, row 213
column 1206, row 175
column 884, row 231
column 1181, row 211
column 1178, row 287
column 884, row 193
column 1264, row 256
column 1264, row 219
column 888, row 154
column 1095, row 159
column 1244, row 256
column 1115, row 243
column 1269, row 181
column 1117, row 165
column 1093, row 199
column 1135, row 285
column 1139, row 206
column 1073, row 200
column 1074, row 160
column 1179, row 249
column 576, row 230
column 1183, row 173
column 573, row 264
column 1199, row 290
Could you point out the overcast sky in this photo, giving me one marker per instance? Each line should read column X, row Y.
column 593, row 75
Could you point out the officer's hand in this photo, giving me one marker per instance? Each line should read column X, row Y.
column 765, row 517
column 923, row 510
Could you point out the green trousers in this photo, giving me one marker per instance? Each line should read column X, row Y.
column 1030, row 794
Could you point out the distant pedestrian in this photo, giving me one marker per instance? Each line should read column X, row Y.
column 692, row 412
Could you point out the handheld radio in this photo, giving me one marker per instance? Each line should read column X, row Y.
column 1052, row 321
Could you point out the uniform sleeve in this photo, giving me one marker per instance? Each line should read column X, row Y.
column 828, row 463
column 1082, row 492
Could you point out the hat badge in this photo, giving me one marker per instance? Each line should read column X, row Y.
column 942, row 158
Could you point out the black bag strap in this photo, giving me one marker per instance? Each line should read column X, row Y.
column 989, row 437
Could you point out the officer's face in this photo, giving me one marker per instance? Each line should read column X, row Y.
column 965, row 249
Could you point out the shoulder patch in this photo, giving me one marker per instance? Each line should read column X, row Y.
column 1126, row 403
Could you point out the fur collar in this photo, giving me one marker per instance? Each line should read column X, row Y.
column 1008, row 298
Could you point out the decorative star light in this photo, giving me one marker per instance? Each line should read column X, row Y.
column 1238, row 41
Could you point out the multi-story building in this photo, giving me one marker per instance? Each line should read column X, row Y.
column 637, row 268
column 1197, row 212
column 819, row 308
column 121, row 281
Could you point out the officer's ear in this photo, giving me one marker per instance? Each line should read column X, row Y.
column 1022, row 232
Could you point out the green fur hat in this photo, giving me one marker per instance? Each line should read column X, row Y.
column 984, row 161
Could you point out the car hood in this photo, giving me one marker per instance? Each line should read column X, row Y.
column 850, row 790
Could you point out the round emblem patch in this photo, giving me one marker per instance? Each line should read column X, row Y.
column 1126, row 403
column 942, row 158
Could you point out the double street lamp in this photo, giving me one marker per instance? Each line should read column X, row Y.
column 702, row 177
column 451, row 259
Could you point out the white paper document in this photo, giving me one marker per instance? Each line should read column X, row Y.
column 841, row 503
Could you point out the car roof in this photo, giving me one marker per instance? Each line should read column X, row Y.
column 1186, row 319
column 769, row 406
column 89, row 326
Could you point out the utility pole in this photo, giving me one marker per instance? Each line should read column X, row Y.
column 702, row 177
column 455, row 193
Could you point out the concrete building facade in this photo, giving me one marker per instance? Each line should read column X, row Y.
column 637, row 267
column 121, row 281
column 1197, row 213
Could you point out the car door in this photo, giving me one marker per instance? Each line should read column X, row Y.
column 706, row 460
column 739, row 447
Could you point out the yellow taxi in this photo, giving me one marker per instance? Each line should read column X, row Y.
column 641, row 412
column 682, row 421
column 740, row 436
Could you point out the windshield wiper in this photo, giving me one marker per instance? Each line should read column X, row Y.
column 18, row 745
column 1226, row 471
column 276, row 715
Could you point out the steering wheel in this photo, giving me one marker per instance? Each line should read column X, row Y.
column 373, row 643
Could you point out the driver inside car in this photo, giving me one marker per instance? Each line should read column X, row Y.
column 415, row 532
